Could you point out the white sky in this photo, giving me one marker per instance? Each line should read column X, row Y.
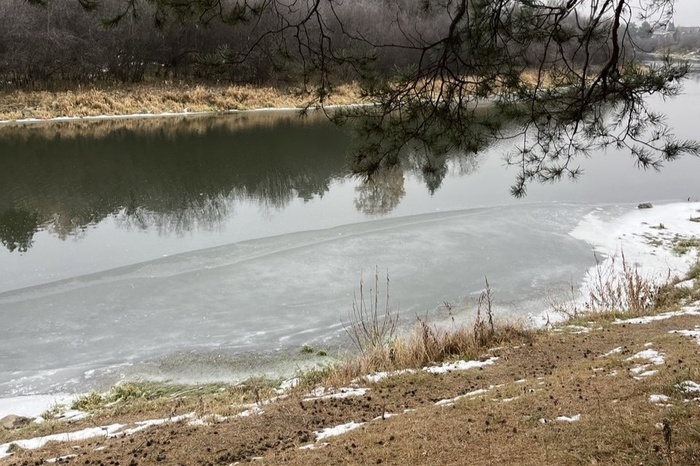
column 687, row 13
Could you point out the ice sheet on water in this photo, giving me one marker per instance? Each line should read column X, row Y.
column 201, row 301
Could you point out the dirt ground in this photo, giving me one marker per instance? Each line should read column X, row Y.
column 606, row 415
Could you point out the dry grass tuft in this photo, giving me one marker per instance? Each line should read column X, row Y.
column 626, row 290
column 618, row 288
column 374, row 334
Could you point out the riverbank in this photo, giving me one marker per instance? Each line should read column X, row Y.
column 596, row 388
column 601, row 391
column 139, row 100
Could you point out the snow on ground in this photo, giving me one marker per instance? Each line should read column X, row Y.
column 644, row 236
column 658, row 399
column 337, row 430
column 664, row 316
column 452, row 401
column 322, row 393
column 34, row 405
column 112, row 430
column 459, row 366
column 689, row 386
column 641, row 371
column 650, row 355
column 378, row 376
column 38, row 442
column 438, row 369
column 689, row 333
column 573, row 329
column 612, row 351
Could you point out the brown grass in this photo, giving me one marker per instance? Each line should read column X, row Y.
column 373, row 331
column 513, row 421
column 193, row 124
column 156, row 99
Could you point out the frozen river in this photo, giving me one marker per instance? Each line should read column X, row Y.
column 214, row 248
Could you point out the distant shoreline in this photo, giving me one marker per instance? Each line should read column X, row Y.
column 158, row 101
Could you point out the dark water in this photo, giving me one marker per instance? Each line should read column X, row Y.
column 171, row 248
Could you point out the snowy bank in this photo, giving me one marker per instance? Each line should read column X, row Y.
column 645, row 236
column 648, row 238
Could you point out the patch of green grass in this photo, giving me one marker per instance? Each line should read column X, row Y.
column 694, row 272
column 317, row 375
column 682, row 246
column 89, row 402
column 53, row 412
column 14, row 448
column 142, row 391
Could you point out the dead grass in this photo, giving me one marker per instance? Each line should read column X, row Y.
column 156, row 99
column 512, row 420
column 373, row 331
column 621, row 290
column 193, row 124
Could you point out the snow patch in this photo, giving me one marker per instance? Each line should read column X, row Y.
column 612, row 351
column 637, row 233
column 337, row 430
column 38, row 442
column 650, row 355
column 60, row 458
column 110, row 431
column 379, row 376
column 452, row 401
column 689, row 333
column 325, row 394
column 440, row 369
column 459, row 366
column 658, row 399
column 250, row 412
column 689, row 387
column 658, row 317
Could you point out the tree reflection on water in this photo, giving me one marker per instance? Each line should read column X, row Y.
column 173, row 175
column 184, row 174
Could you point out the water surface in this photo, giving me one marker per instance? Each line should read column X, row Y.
column 179, row 248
